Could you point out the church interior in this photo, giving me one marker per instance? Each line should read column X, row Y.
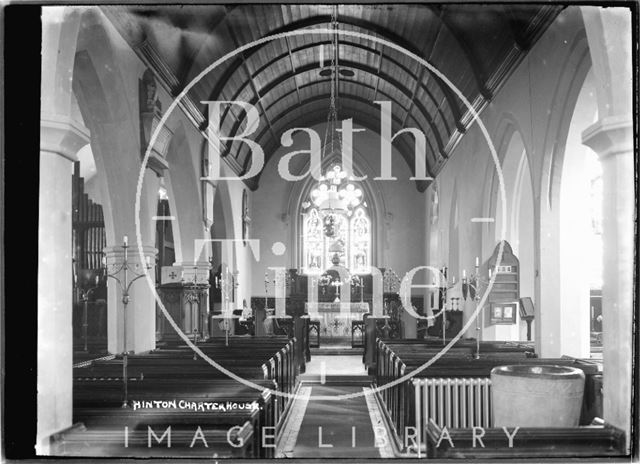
column 336, row 231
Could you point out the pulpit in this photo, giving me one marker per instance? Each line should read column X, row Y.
column 187, row 306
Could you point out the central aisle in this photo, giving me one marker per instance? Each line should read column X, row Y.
column 328, row 428
column 336, row 428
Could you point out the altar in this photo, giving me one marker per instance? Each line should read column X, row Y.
column 335, row 318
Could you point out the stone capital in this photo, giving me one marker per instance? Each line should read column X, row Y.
column 609, row 136
column 61, row 135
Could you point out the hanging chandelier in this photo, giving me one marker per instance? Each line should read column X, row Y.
column 335, row 193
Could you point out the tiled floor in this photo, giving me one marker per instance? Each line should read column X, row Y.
column 336, row 365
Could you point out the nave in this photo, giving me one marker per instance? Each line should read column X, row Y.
column 294, row 402
column 323, row 232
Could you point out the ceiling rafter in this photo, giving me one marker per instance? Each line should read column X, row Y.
column 364, row 119
column 413, row 95
column 385, row 33
column 489, row 69
column 437, row 104
column 431, row 124
column 375, row 92
column 293, row 68
column 362, row 67
column 258, row 97
column 364, row 101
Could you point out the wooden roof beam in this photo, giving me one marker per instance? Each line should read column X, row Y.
column 293, row 68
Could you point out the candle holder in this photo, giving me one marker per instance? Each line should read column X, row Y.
column 226, row 285
column 358, row 282
column 84, row 297
column 447, row 286
column 125, row 285
column 266, row 289
column 471, row 288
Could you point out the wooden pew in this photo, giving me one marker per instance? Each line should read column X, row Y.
column 487, row 348
column 98, row 403
column 173, row 375
column 532, row 442
column 399, row 359
column 397, row 353
column 111, row 442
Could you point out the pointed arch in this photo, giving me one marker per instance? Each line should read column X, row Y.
column 352, row 231
column 299, row 192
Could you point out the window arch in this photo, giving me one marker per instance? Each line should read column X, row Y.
column 334, row 233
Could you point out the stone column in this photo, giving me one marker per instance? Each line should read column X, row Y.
column 60, row 141
column 141, row 308
column 611, row 138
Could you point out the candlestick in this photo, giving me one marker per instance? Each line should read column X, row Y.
column 125, row 285
column 126, row 241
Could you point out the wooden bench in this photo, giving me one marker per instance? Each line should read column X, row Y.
column 174, row 376
column 400, row 359
column 120, row 442
column 530, row 442
column 98, row 403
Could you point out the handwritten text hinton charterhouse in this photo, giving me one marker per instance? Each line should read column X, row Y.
column 195, row 406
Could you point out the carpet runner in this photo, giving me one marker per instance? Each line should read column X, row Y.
column 335, row 428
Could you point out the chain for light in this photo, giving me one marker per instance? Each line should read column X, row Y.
column 332, row 117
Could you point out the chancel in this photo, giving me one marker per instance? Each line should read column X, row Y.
column 334, row 231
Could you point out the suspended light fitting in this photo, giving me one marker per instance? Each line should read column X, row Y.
column 335, row 193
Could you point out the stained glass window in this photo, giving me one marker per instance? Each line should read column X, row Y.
column 350, row 235
column 360, row 242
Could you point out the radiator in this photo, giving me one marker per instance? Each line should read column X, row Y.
column 453, row 402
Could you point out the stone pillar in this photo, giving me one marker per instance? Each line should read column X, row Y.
column 60, row 141
column 548, row 321
column 141, row 308
column 612, row 139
